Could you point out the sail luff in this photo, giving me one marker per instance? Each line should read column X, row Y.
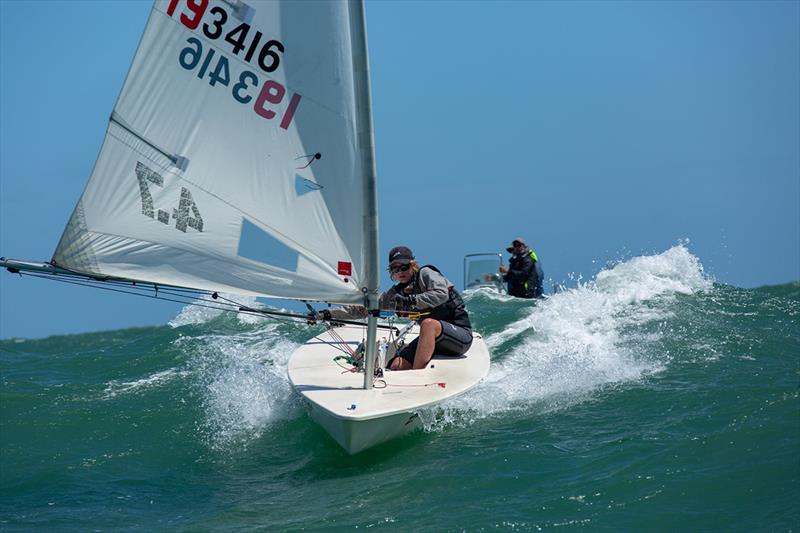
column 366, row 141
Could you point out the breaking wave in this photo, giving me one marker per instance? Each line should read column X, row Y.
column 579, row 340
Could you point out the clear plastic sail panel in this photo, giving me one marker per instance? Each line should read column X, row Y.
column 231, row 158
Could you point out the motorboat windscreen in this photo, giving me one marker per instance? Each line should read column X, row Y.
column 482, row 270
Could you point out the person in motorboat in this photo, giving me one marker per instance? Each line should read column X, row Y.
column 425, row 295
column 524, row 274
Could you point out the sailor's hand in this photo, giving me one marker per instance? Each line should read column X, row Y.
column 503, row 269
column 405, row 302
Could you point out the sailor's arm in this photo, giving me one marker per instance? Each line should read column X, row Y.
column 344, row 312
column 436, row 289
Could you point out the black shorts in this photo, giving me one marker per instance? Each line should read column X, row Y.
column 453, row 341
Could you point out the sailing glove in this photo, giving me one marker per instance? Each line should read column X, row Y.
column 405, row 302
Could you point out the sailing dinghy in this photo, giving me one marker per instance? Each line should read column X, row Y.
column 239, row 159
column 359, row 417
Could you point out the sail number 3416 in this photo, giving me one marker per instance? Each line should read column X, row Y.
column 271, row 94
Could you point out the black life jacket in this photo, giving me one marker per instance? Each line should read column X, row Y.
column 453, row 310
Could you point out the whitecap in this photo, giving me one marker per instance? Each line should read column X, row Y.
column 243, row 385
column 580, row 340
column 114, row 387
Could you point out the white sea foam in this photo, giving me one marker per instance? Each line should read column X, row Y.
column 488, row 293
column 241, row 378
column 198, row 314
column 574, row 342
column 114, row 388
column 243, row 385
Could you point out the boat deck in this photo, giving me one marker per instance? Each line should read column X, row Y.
column 331, row 386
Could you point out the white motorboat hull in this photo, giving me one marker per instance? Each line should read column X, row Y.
column 357, row 418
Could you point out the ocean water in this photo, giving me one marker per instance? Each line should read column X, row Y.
column 649, row 398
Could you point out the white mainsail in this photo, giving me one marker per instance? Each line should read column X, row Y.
column 238, row 118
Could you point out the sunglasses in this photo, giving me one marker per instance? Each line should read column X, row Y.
column 399, row 268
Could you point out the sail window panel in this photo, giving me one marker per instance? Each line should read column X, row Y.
column 258, row 245
column 304, row 186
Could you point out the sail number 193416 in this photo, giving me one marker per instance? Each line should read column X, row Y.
column 218, row 69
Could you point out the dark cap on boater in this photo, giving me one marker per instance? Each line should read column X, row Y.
column 516, row 241
column 400, row 254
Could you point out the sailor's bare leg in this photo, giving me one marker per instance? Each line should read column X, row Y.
column 428, row 331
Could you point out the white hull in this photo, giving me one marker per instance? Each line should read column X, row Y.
column 359, row 419
column 357, row 435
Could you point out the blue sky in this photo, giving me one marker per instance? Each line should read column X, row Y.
column 596, row 130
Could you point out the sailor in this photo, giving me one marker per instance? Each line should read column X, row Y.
column 425, row 295
column 524, row 274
